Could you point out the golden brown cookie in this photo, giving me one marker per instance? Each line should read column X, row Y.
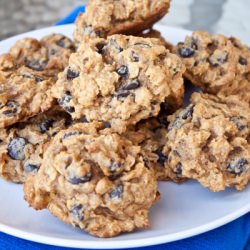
column 27, row 74
column 120, row 80
column 94, row 180
column 108, row 17
column 209, row 141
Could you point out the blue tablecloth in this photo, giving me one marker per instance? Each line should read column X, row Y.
column 233, row 236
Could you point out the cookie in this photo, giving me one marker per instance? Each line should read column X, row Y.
column 108, row 17
column 209, row 141
column 22, row 145
column 95, row 180
column 215, row 63
column 120, row 80
column 27, row 74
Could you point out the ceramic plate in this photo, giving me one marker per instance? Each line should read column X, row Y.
column 185, row 210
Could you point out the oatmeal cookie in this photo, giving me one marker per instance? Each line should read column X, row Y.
column 215, row 63
column 209, row 141
column 108, row 17
column 27, row 74
column 22, row 145
column 121, row 80
column 95, row 180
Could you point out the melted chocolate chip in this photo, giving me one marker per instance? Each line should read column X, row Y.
column 31, row 168
column 237, row 166
column 69, row 134
column 37, row 65
column 178, row 169
column 72, row 74
column 122, row 71
column 186, row 52
column 242, row 61
column 46, row 125
column 106, row 124
column 117, row 192
column 77, row 212
column 161, row 157
column 240, row 122
column 101, row 48
column 132, row 84
column 16, row 148
column 79, row 180
column 64, row 102
column 12, row 108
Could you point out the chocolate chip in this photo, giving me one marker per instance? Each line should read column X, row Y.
column 242, row 61
column 37, row 65
column 72, row 74
column 37, row 78
column 237, row 166
column 161, row 157
column 83, row 120
column 65, row 43
column 117, row 192
column 122, row 71
column 132, row 84
column 186, row 52
column 115, row 167
column 100, row 48
column 188, row 112
column 46, row 125
column 79, row 180
column 106, row 124
column 217, row 61
column 146, row 162
column 64, row 102
column 135, row 56
column 178, row 169
column 239, row 122
column 77, row 212
column 68, row 121
column 123, row 94
column 12, row 108
column 16, row 148
column 31, row 168
column 69, row 134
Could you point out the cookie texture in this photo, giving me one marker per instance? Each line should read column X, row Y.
column 216, row 64
column 120, row 80
column 108, row 17
column 22, row 145
column 94, row 180
column 27, row 74
column 209, row 141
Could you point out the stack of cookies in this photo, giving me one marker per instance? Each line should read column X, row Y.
column 90, row 126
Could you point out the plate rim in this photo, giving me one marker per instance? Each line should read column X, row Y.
column 109, row 244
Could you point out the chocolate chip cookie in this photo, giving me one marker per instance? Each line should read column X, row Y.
column 209, row 141
column 120, row 80
column 94, row 179
column 22, row 145
column 108, row 17
column 27, row 74
column 215, row 63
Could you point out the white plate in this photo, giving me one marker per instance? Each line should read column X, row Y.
column 184, row 210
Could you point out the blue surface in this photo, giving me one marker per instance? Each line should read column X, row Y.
column 233, row 236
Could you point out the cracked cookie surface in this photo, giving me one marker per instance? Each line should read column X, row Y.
column 209, row 141
column 108, row 17
column 22, row 145
column 121, row 80
column 94, row 180
column 27, row 74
